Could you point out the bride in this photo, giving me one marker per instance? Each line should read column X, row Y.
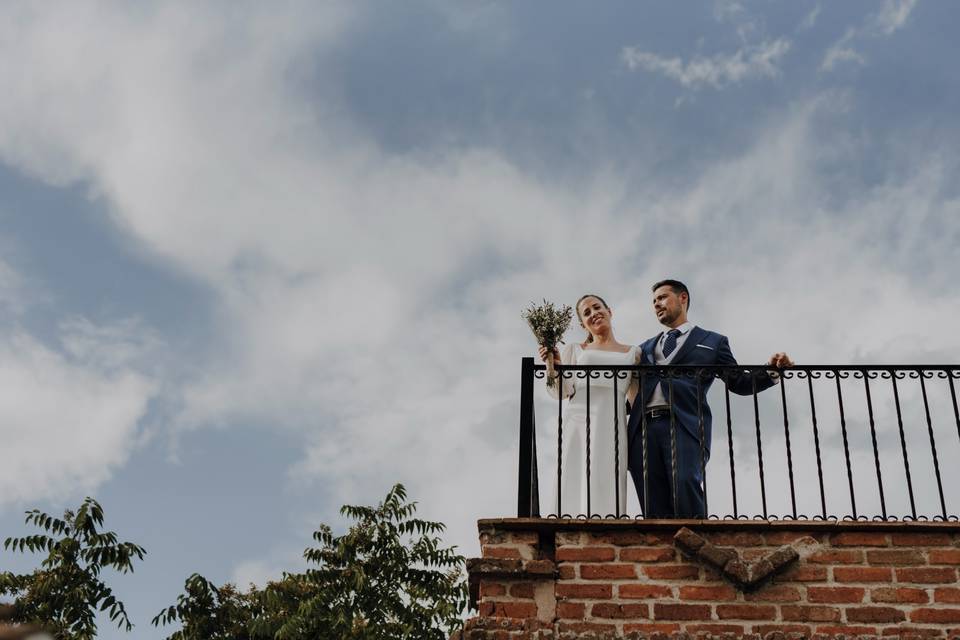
column 607, row 447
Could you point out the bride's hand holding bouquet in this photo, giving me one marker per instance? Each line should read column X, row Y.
column 548, row 324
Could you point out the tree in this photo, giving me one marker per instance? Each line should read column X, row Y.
column 65, row 593
column 210, row 613
column 386, row 578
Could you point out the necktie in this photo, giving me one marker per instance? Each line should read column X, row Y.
column 671, row 342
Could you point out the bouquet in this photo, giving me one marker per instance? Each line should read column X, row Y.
column 548, row 324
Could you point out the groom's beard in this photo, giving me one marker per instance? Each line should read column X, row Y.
column 667, row 319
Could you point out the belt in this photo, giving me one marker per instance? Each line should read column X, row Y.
column 655, row 414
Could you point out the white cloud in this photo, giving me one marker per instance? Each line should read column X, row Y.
column 371, row 301
column 838, row 54
column 810, row 19
column 254, row 572
column 66, row 424
column 716, row 71
column 71, row 404
column 891, row 17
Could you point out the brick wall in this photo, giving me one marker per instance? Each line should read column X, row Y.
column 544, row 578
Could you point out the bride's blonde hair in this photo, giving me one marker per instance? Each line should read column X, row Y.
column 580, row 318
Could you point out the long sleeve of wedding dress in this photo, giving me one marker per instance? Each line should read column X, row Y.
column 566, row 357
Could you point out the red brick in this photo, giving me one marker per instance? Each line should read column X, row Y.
column 746, row 612
column 607, row 571
column 938, row 616
column 585, row 554
column 835, row 594
column 801, row 613
column 503, row 624
column 524, row 537
column 774, row 593
column 949, row 595
column 672, row 571
column 572, row 538
column 575, row 610
column 708, row 593
column 803, row 573
column 647, row 554
column 736, row 539
column 711, row 575
column 862, row 574
column 632, row 538
column 584, row 627
column 921, row 539
column 875, row 614
column 501, row 552
column 541, row 567
column 522, row 590
column 583, row 591
column 567, row 572
column 944, row 556
column 668, row 611
column 610, row 610
column 899, row 595
column 763, row 629
column 912, row 633
column 927, row 575
column 651, row 627
column 846, row 630
column 859, row 539
column 644, row 591
column 777, row 538
column 514, row 610
column 909, row 557
column 750, row 555
column 716, row 629
column 836, row 556
column 488, row 589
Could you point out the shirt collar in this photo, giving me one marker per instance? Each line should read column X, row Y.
column 684, row 328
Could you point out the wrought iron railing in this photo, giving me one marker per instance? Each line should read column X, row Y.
column 898, row 428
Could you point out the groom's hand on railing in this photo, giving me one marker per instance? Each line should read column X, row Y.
column 780, row 360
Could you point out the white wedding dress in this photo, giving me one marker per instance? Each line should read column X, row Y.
column 608, row 456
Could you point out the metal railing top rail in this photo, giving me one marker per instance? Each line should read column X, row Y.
column 954, row 368
column 528, row 493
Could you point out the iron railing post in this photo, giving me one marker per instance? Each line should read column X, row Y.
column 528, row 493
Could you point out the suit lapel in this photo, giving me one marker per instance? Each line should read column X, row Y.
column 693, row 339
column 648, row 348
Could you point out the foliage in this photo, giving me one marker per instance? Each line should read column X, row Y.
column 386, row 578
column 210, row 613
column 65, row 593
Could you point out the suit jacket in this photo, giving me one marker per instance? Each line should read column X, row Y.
column 701, row 347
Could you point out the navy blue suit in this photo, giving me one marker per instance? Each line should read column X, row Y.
column 689, row 407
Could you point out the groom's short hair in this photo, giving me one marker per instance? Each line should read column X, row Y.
column 677, row 286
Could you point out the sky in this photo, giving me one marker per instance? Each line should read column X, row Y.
column 258, row 261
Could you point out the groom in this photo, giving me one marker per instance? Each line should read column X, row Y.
column 680, row 402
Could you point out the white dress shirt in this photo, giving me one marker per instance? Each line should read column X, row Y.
column 658, row 400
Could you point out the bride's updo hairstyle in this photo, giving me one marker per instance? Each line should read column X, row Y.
column 577, row 307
